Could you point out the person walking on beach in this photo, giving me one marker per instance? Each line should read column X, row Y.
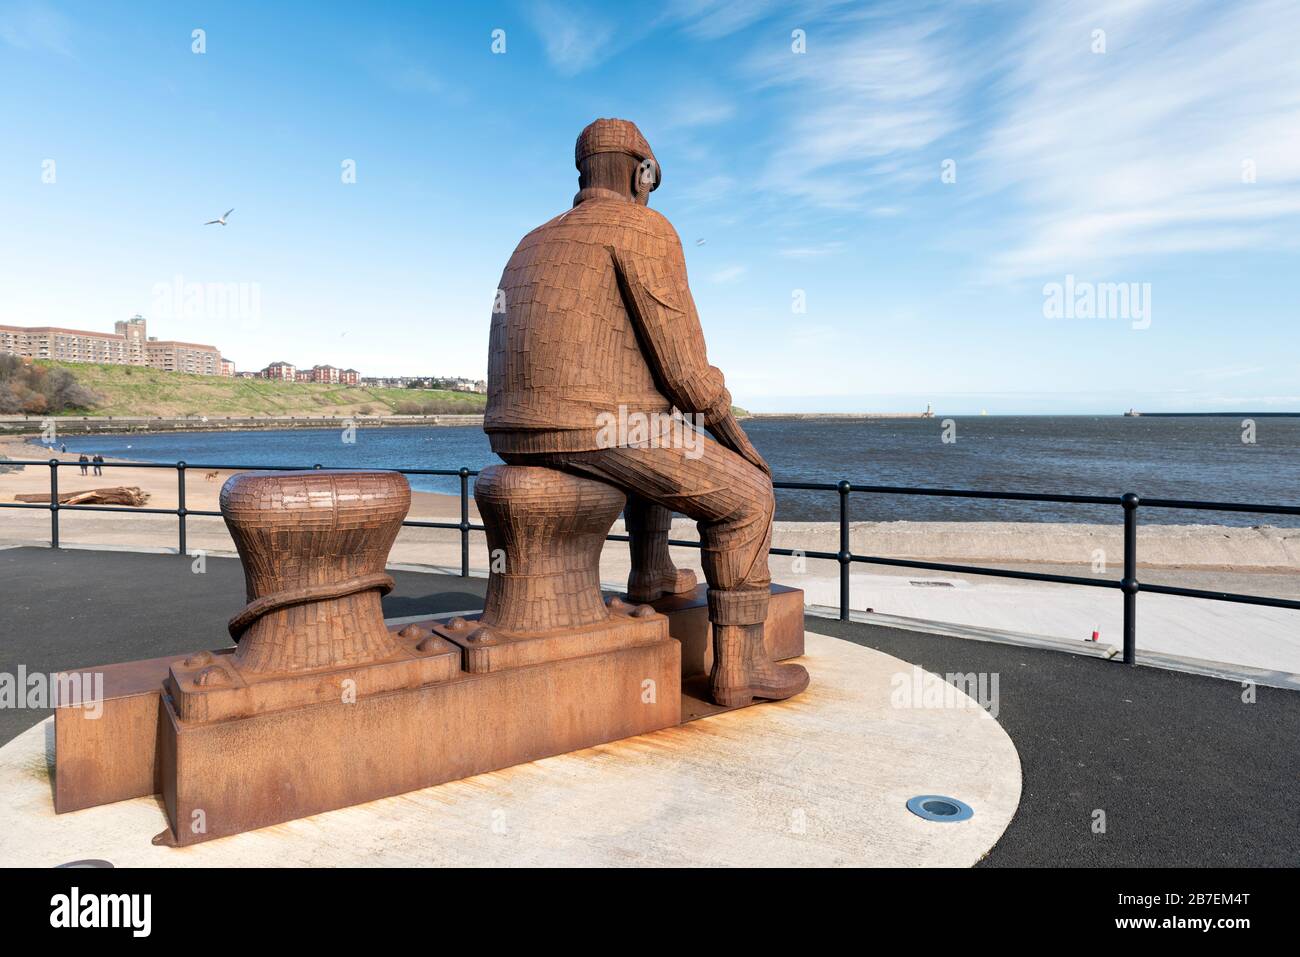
column 595, row 320
column 98, row 460
column 84, row 462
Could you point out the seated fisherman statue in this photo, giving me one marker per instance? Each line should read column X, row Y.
column 594, row 323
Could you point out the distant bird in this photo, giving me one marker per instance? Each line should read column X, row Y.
column 699, row 242
column 222, row 220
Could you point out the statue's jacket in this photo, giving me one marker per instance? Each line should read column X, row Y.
column 594, row 318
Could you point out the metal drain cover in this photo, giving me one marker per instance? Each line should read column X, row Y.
column 937, row 807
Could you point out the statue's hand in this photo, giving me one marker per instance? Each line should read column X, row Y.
column 729, row 434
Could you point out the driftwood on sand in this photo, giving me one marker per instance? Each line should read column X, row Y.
column 118, row 495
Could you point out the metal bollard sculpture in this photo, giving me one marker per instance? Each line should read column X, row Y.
column 314, row 545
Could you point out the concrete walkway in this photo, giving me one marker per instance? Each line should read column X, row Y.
column 1233, row 634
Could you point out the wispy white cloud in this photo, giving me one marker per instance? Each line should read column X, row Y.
column 1227, row 372
column 714, row 19
column 1140, row 151
column 711, row 189
column 711, row 19
column 865, row 100
column 698, row 109
column 1246, row 402
column 36, row 26
column 728, row 274
column 414, row 77
column 402, row 71
column 811, row 252
column 578, row 37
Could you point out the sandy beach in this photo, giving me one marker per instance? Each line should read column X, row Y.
column 1255, row 560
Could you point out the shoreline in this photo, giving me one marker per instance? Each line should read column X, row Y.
column 27, row 428
column 1263, row 549
column 1259, row 561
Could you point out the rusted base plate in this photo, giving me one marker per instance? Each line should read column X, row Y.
column 108, row 752
column 696, row 702
column 225, row 777
column 493, row 649
column 212, row 687
column 111, row 753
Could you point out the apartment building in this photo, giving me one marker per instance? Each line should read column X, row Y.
column 128, row 344
column 283, row 371
column 330, row 375
column 191, row 357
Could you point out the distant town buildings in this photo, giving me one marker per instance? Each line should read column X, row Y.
column 279, row 370
column 457, row 384
column 129, row 344
column 331, row 375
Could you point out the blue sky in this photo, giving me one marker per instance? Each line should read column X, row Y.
column 1119, row 157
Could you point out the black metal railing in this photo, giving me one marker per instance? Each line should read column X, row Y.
column 1129, row 502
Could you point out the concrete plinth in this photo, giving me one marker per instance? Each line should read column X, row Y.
column 822, row 779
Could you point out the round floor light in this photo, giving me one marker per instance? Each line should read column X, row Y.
column 937, row 807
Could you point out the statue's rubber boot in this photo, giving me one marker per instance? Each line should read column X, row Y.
column 646, row 586
column 653, row 573
column 742, row 670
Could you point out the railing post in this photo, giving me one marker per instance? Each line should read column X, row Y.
column 54, row 503
column 464, row 522
column 845, row 552
column 181, row 511
column 1129, row 585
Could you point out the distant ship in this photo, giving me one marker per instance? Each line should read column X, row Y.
column 1132, row 413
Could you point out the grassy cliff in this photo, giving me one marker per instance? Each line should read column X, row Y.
column 141, row 391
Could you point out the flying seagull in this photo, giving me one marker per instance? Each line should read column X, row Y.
column 222, row 220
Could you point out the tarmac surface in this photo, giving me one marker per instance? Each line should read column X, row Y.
column 1123, row 766
column 1186, row 772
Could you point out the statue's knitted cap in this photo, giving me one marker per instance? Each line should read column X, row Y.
column 612, row 136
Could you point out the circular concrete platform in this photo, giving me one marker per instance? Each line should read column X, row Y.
column 823, row 779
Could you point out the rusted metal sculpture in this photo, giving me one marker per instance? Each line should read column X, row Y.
column 321, row 705
column 596, row 351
